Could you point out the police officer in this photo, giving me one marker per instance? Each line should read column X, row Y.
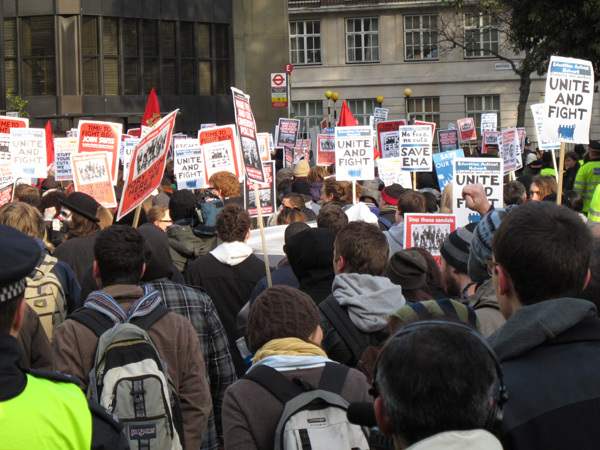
column 588, row 176
column 40, row 409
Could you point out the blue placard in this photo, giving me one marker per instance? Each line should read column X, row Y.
column 443, row 165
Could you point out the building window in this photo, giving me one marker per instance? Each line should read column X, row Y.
column 39, row 67
column 131, row 57
column 481, row 35
column 150, row 58
column 305, row 42
column 186, row 47
column 420, row 37
column 426, row 109
column 476, row 105
column 362, row 40
column 10, row 55
column 362, row 110
column 309, row 113
column 222, row 79
column 110, row 52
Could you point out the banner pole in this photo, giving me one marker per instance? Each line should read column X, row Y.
column 354, row 192
column 554, row 161
column 262, row 234
column 415, row 181
column 136, row 217
column 560, row 173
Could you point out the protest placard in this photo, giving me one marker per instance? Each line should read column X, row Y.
column 6, row 194
column 6, row 165
column 288, row 157
column 204, row 126
column 325, row 150
column 266, row 191
column 302, row 150
column 522, row 136
column 147, row 165
column 390, row 172
column 28, row 151
column 263, row 146
column 129, row 146
column 447, row 140
column 91, row 175
column 6, row 123
column 415, row 148
column 63, row 148
column 288, row 132
column 488, row 172
column 221, row 151
column 389, row 138
column 94, row 136
column 569, row 97
column 189, row 164
column 489, row 122
column 537, row 110
column 428, row 231
column 246, row 128
column 379, row 115
column 509, row 150
column 354, row 157
column 467, row 129
column 490, row 142
column 444, row 167
column 429, row 124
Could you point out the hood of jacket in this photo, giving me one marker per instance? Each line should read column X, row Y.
column 310, row 253
column 459, row 440
column 395, row 237
column 370, row 300
column 532, row 325
column 159, row 263
column 360, row 211
column 183, row 240
column 232, row 253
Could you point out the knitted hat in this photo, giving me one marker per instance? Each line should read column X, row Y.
column 436, row 309
column 373, row 194
column 455, row 248
column 161, row 200
column 392, row 193
column 594, row 145
column 182, row 205
column 281, row 312
column 481, row 243
column 408, row 269
column 20, row 255
column 301, row 186
column 82, row 204
column 301, row 169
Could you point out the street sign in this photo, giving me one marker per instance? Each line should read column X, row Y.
column 288, row 68
column 279, row 90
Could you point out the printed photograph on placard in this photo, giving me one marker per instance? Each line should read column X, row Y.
column 150, row 153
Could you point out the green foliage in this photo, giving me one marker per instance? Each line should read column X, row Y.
column 15, row 103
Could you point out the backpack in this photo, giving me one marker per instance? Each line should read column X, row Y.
column 312, row 418
column 131, row 381
column 204, row 222
column 46, row 296
column 385, row 222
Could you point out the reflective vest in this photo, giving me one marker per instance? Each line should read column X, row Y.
column 594, row 211
column 46, row 415
column 548, row 171
column 588, row 177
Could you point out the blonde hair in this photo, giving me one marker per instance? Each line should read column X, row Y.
column 105, row 216
column 23, row 217
column 446, row 206
column 317, row 174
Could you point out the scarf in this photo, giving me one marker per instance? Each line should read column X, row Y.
column 288, row 346
column 104, row 303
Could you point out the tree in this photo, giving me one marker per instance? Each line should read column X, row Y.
column 529, row 31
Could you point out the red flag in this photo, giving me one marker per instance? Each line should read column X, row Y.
column 152, row 112
column 49, row 143
column 376, row 152
column 346, row 117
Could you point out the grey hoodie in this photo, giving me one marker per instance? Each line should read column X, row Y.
column 395, row 237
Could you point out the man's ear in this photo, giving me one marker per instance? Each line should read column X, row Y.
column 143, row 270
column 505, row 284
column 338, row 264
column 588, row 277
column 96, row 271
column 18, row 319
column 383, row 421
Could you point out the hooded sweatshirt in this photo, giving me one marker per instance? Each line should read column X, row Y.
column 395, row 238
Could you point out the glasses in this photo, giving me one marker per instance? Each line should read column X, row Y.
column 491, row 264
column 166, row 221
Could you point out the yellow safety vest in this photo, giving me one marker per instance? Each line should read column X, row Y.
column 46, row 415
column 594, row 211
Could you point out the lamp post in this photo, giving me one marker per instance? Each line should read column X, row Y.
column 328, row 97
column 407, row 94
column 334, row 97
column 379, row 100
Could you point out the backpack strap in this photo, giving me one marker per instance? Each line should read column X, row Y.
column 274, row 382
column 385, row 222
column 333, row 378
column 338, row 317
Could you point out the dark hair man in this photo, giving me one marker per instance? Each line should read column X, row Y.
column 408, row 202
column 332, row 217
column 514, row 193
column 118, row 268
column 418, row 405
column 361, row 295
column 40, row 406
column 550, row 343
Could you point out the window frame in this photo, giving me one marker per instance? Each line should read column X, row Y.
column 480, row 31
column 305, row 37
column 352, row 35
column 366, row 107
column 476, row 113
column 421, row 31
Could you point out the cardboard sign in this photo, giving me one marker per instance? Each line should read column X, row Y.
column 489, row 122
column 325, row 150
column 488, row 172
column 429, row 124
column 28, row 150
column 444, row 167
column 389, row 138
column 509, row 150
column 538, row 118
column 6, row 123
column 428, row 231
column 266, row 192
column 147, row 165
column 569, row 97
column 379, row 115
column 302, row 150
column 263, row 146
column 467, row 129
column 128, row 148
column 189, row 164
column 354, row 157
column 63, row 148
column 204, row 126
column 6, row 194
column 91, row 175
column 221, row 151
column 490, row 141
column 415, row 148
column 94, row 136
column 390, row 172
column 6, row 165
column 246, row 128
column 288, row 132
column 288, row 157
column 447, row 140
column 522, row 135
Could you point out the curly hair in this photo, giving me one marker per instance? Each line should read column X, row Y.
column 23, row 217
column 340, row 191
column 233, row 223
column 317, row 174
column 227, row 183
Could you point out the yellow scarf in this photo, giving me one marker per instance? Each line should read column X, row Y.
column 288, row 346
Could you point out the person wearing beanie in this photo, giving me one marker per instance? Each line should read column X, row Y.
column 588, row 176
column 284, row 333
column 185, row 245
column 408, row 268
column 301, row 169
column 388, row 205
column 454, row 257
column 79, row 213
column 40, row 407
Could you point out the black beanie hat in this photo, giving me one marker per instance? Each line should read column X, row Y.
column 455, row 248
column 182, row 205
